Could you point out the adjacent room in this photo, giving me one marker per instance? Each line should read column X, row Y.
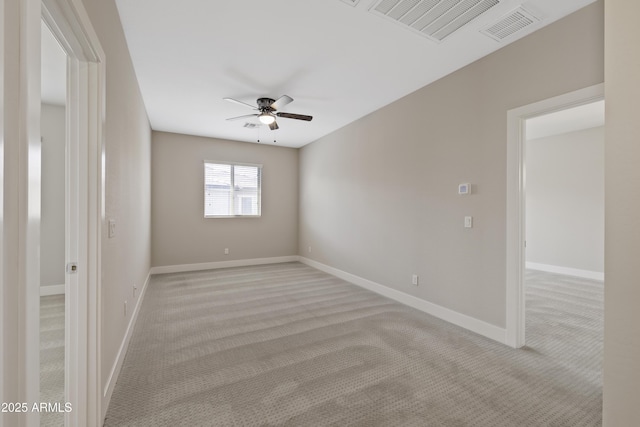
column 347, row 212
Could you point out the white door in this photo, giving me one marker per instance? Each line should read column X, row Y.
column 55, row 224
column 21, row 209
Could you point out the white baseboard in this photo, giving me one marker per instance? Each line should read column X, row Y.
column 586, row 274
column 221, row 264
column 51, row 290
column 478, row 326
column 117, row 364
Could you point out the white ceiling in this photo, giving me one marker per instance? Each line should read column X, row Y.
column 570, row 120
column 339, row 62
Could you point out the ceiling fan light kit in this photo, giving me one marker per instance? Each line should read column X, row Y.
column 266, row 118
column 267, row 108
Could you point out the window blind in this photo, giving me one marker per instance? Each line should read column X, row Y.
column 232, row 190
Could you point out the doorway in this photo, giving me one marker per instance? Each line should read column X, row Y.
column 83, row 211
column 516, row 200
column 564, row 235
column 53, row 228
column 564, row 194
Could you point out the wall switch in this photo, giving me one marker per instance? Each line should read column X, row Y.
column 309, row 249
column 414, row 280
column 226, row 251
column 125, row 308
column 468, row 222
column 112, row 228
column 135, row 288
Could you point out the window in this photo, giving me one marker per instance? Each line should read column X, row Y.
column 231, row 190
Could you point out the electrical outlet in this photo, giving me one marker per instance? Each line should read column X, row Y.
column 226, row 251
column 414, row 280
column 125, row 308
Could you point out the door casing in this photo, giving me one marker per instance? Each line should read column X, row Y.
column 516, row 156
column 70, row 24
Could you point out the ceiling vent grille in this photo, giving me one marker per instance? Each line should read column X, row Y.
column 436, row 19
column 510, row 24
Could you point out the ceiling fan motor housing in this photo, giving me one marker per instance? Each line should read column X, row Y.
column 264, row 104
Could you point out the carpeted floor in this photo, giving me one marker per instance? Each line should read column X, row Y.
column 565, row 321
column 52, row 356
column 289, row 345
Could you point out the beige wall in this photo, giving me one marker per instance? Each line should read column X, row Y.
column 565, row 200
column 126, row 258
column 52, row 225
column 181, row 234
column 378, row 198
column 622, row 204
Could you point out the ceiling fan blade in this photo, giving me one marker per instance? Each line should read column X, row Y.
column 235, row 101
column 281, row 102
column 295, row 116
column 243, row 117
column 274, row 126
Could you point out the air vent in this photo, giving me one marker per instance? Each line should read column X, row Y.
column 510, row 24
column 251, row 125
column 436, row 19
column 351, row 2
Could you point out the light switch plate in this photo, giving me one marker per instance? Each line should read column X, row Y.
column 112, row 228
column 468, row 222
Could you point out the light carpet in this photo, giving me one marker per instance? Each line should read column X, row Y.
column 288, row 345
column 52, row 357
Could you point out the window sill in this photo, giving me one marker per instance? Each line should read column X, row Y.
column 231, row 216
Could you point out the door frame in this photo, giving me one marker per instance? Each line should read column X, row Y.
column 70, row 24
column 85, row 188
column 516, row 187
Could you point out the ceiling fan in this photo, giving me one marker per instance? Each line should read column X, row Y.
column 268, row 111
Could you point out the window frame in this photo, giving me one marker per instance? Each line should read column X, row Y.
column 233, row 165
